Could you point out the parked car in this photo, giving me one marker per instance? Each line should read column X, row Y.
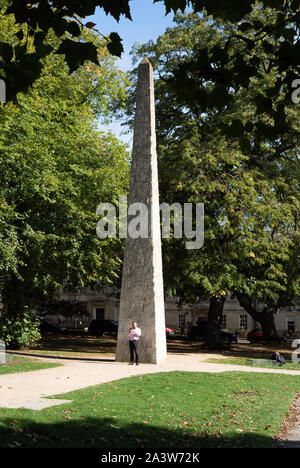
column 228, row 337
column 197, row 332
column 200, row 331
column 48, row 326
column 169, row 332
column 98, row 327
column 255, row 335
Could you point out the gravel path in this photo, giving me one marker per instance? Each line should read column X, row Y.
column 29, row 389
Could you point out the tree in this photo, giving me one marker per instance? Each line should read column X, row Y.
column 30, row 25
column 263, row 46
column 272, row 276
column 280, row 37
column 247, row 183
column 56, row 168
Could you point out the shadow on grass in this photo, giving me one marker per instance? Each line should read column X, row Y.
column 182, row 346
column 111, row 433
column 85, row 344
column 64, row 357
column 77, row 343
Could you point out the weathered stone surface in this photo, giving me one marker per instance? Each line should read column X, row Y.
column 142, row 296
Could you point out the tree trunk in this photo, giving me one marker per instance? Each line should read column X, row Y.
column 215, row 310
column 267, row 322
column 265, row 318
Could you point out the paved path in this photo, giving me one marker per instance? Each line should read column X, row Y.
column 29, row 389
column 292, row 437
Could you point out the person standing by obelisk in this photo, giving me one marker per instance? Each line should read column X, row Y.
column 142, row 294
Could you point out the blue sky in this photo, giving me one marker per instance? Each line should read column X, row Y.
column 148, row 22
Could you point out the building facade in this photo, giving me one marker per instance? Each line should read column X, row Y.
column 104, row 305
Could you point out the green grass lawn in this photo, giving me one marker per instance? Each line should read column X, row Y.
column 164, row 410
column 240, row 361
column 21, row 364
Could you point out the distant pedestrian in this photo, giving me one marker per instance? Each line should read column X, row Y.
column 60, row 320
column 278, row 358
column 134, row 338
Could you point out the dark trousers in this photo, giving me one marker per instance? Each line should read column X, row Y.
column 134, row 349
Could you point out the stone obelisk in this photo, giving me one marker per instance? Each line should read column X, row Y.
column 142, row 294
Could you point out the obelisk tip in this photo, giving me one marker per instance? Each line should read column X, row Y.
column 145, row 61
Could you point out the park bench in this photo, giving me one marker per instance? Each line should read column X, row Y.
column 265, row 363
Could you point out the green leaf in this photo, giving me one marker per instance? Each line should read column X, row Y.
column 6, row 52
column 236, row 128
column 73, row 29
column 115, row 46
column 77, row 53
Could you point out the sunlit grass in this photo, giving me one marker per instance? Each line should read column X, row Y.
column 21, row 364
column 168, row 410
column 255, row 362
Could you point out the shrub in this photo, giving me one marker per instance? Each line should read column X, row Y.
column 242, row 333
column 19, row 331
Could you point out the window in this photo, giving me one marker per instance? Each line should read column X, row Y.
column 201, row 299
column 99, row 314
column 290, row 325
column 243, row 322
column 181, row 320
column 223, row 322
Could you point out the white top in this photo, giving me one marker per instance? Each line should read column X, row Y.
column 134, row 334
